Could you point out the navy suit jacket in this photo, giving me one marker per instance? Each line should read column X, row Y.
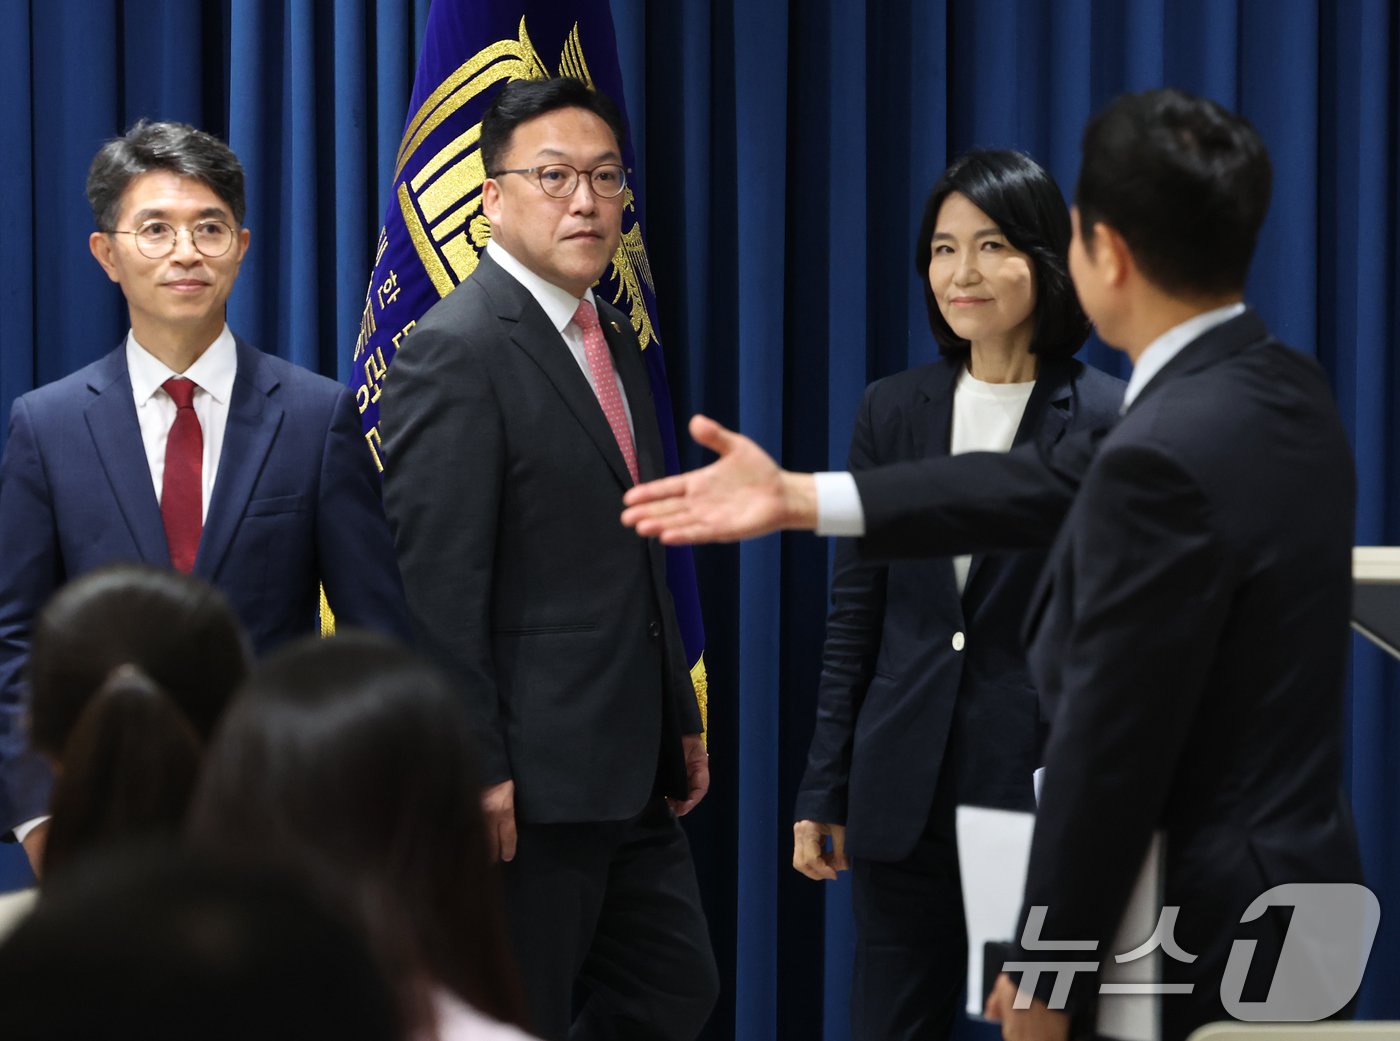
column 898, row 705
column 295, row 504
column 1189, row 636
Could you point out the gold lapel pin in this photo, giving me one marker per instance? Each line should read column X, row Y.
column 615, row 328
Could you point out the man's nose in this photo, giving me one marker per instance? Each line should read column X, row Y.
column 183, row 251
column 583, row 200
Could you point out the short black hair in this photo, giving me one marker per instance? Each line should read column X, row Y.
column 522, row 100
column 176, row 147
column 1024, row 201
column 1184, row 181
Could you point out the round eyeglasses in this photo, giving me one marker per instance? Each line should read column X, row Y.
column 156, row 238
column 560, row 180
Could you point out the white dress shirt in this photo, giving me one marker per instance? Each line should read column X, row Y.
column 213, row 374
column 559, row 306
column 839, row 511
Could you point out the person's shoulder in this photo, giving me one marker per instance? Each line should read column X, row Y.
column 73, row 390
column 916, row 382
column 1100, row 395
column 294, row 378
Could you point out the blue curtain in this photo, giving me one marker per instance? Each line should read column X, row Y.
column 799, row 141
column 786, row 148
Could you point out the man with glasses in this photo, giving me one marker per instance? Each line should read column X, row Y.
column 185, row 447
column 517, row 413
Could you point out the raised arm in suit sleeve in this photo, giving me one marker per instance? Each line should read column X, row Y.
column 977, row 502
column 1146, row 558
column 853, row 630
column 443, row 483
column 30, row 569
column 355, row 552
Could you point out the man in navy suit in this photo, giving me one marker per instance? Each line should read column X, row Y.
column 184, row 447
column 1189, row 633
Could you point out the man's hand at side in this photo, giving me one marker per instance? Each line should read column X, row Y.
column 697, row 770
column 810, row 858
column 1039, row 1022
column 742, row 495
column 498, row 804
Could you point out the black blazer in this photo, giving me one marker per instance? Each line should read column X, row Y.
column 503, row 484
column 896, row 697
column 1190, row 638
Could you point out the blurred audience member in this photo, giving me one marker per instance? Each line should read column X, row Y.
column 153, row 946
column 351, row 762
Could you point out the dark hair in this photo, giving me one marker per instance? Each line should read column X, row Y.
column 1024, row 201
column 150, row 945
column 350, row 760
column 522, row 100
column 176, row 147
column 1184, row 181
column 129, row 669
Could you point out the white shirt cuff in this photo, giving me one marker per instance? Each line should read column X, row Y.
column 22, row 830
column 839, row 511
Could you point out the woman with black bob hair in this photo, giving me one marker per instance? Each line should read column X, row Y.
column 130, row 668
column 350, row 762
column 925, row 699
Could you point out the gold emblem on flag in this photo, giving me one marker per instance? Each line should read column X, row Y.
column 441, row 200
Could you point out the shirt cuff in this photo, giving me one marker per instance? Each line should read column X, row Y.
column 839, row 511
column 22, row 831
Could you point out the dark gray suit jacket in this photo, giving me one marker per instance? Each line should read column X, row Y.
column 503, row 484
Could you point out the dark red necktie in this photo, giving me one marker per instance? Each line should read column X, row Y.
column 182, row 489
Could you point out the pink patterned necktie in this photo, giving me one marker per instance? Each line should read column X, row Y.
column 182, row 488
column 595, row 348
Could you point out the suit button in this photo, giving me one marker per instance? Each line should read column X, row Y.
column 958, row 641
column 654, row 629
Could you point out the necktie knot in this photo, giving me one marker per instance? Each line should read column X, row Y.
column 586, row 317
column 181, row 391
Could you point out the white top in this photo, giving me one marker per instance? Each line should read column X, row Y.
column 14, row 909
column 986, row 417
column 1167, row 346
column 213, row 374
column 458, row 1021
column 839, row 511
column 559, row 306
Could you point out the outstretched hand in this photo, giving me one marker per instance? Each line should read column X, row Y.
column 741, row 495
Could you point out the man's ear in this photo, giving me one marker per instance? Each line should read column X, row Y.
column 1111, row 253
column 100, row 245
column 491, row 199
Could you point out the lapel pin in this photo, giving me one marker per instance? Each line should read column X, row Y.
column 615, row 328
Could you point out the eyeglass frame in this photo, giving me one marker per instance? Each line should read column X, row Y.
column 187, row 229
column 578, row 178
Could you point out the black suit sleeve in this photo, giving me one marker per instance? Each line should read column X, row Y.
column 443, row 486
column 1151, row 594
column 853, row 630
column 978, row 502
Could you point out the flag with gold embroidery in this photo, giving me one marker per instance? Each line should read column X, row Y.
column 434, row 229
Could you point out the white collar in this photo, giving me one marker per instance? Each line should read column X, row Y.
column 1171, row 343
column 559, row 305
column 213, row 371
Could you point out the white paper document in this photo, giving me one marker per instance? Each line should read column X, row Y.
column 994, row 849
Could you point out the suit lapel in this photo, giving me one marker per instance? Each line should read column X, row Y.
column 253, row 421
column 534, row 334
column 116, row 434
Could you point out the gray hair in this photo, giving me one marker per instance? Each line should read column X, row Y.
column 176, row 147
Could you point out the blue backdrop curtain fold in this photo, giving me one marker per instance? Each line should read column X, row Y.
column 785, row 149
